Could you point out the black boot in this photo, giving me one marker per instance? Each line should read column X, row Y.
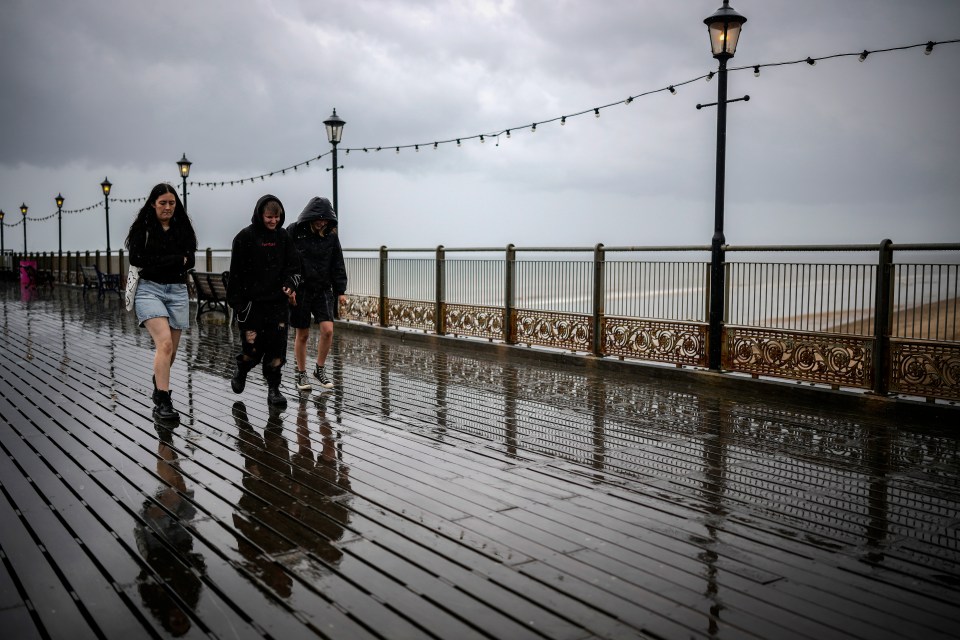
column 163, row 407
column 239, row 380
column 274, row 397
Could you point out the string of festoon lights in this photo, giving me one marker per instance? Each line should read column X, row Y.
column 562, row 119
column 927, row 46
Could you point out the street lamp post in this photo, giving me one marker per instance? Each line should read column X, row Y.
column 184, row 165
column 59, row 201
column 105, row 185
column 724, row 29
column 334, row 125
column 23, row 210
column 3, row 250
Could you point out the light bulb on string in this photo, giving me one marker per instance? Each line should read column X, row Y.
column 756, row 71
column 596, row 112
column 863, row 55
column 929, row 48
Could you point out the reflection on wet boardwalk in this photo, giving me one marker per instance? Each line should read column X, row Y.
column 452, row 494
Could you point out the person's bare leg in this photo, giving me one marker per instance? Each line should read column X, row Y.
column 300, row 348
column 324, row 342
column 162, row 335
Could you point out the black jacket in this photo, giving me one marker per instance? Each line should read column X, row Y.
column 262, row 262
column 160, row 254
column 321, row 257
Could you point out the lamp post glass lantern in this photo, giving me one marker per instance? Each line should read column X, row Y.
column 334, row 125
column 106, row 185
column 184, row 165
column 724, row 30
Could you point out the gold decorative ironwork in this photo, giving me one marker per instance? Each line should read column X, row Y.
column 362, row 309
column 413, row 314
column 468, row 320
column 925, row 368
column 813, row 357
column 561, row 330
column 658, row 340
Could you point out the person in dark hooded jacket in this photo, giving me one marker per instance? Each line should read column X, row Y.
column 264, row 276
column 324, row 285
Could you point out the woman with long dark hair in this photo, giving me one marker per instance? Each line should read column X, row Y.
column 162, row 242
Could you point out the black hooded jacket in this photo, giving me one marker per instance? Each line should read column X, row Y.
column 321, row 257
column 160, row 254
column 262, row 262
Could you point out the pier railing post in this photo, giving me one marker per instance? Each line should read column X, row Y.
column 440, row 289
column 384, row 306
column 509, row 294
column 599, row 265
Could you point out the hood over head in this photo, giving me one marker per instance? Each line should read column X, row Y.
column 318, row 209
column 257, row 218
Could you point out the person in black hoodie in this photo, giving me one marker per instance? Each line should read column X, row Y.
column 324, row 284
column 261, row 287
column 162, row 242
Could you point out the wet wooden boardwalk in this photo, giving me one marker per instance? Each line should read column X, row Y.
column 441, row 493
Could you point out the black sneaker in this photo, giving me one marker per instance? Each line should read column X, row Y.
column 301, row 382
column 320, row 373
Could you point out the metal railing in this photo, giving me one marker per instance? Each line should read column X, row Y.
column 840, row 315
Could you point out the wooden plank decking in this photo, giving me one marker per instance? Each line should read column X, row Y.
column 448, row 494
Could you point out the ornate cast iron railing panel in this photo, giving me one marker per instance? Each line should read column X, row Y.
column 413, row 314
column 470, row 320
column 924, row 368
column 658, row 340
column 561, row 330
column 361, row 309
column 833, row 359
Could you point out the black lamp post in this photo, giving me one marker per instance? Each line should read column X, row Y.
column 184, row 165
column 105, row 185
column 23, row 210
column 2, row 249
column 724, row 29
column 334, row 125
column 59, row 201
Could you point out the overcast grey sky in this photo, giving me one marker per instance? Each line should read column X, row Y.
column 843, row 151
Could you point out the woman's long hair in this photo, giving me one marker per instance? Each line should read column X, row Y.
column 147, row 216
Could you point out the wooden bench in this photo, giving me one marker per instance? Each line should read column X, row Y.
column 211, row 290
column 38, row 277
column 94, row 278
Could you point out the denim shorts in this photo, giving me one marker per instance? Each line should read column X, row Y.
column 155, row 300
